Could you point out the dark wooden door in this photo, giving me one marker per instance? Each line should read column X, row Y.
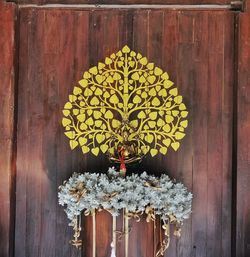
column 196, row 47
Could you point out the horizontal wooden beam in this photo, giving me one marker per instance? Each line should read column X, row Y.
column 131, row 6
column 233, row 5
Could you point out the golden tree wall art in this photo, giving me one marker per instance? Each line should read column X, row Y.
column 125, row 101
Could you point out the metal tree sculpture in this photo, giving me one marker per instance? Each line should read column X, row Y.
column 124, row 100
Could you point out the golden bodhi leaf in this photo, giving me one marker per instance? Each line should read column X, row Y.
column 124, row 99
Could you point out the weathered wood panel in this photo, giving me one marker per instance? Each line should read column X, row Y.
column 7, row 166
column 243, row 142
column 196, row 48
column 176, row 2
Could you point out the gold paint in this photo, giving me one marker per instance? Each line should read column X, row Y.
column 78, row 192
column 135, row 215
column 114, row 233
column 153, row 184
column 150, row 214
column 126, row 231
column 77, row 231
column 126, row 101
column 93, row 214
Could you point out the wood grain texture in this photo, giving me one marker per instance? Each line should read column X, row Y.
column 176, row 2
column 243, row 142
column 7, row 87
column 196, row 49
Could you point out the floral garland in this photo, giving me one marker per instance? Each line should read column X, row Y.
column 136, row 194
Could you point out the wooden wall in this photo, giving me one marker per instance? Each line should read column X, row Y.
column 7, row 144
column 198, row 48
column 243, row 141
column 178, row 2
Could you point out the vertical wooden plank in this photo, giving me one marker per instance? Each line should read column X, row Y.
column 170, row 52
column 49, row 156
column 103, row 233
column 141, row 41
column 87, row 236
column 215, row 134
column 143, row 31
column 66, row 72
column 220, row 134
column 7, row 91
column 125, row 24
column 200, row 139
column 227, row 128
column 184, row 82
column 30, row 140
column 141, row 238
column 243, row 148
column 22, row 131
column 140, row 31
column 104, row 39
column 170, row 63
column 54, row 66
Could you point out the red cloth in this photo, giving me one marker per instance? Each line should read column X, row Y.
column 122, row 161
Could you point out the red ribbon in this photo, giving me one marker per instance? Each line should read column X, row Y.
column 122, row 160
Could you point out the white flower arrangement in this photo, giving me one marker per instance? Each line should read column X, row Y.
column 89, row 191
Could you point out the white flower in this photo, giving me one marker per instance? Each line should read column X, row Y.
column 134, row 192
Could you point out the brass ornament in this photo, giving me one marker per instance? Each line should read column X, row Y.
column 77, row 231
column 125, row 102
